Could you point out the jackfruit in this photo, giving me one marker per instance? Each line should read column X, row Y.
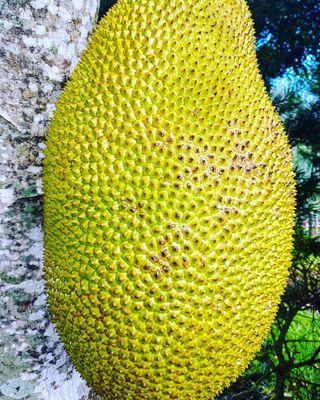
column 169, row 202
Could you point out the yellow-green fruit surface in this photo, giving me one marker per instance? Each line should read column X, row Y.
column 169, row 202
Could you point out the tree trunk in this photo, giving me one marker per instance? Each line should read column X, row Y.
column 40, row 43
column 280, row 386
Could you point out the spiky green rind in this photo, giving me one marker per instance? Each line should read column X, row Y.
column 169, row 202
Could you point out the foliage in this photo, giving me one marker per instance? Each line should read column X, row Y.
column 289, row 30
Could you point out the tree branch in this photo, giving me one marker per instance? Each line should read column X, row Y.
column 311, row 361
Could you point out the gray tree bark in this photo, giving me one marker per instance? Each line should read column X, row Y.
column 40, row 43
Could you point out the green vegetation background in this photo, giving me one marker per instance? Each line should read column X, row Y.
column 288, row 36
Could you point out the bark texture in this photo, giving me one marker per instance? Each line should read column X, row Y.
column 40, row 43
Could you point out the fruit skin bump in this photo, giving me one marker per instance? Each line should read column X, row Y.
column 169, row 202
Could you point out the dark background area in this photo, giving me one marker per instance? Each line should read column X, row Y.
column 288, row 36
